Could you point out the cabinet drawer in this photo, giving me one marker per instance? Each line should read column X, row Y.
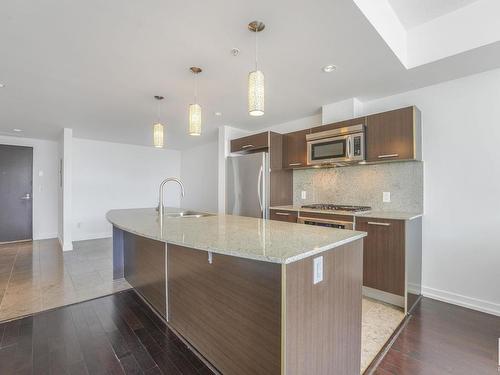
column 383, row 254
column 283, row 215
column 251, row 142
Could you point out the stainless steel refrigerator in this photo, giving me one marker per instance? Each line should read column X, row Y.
column 247, row 185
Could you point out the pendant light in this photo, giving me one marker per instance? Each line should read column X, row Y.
column 195, row 109
column 256, row 78
column 158, row 140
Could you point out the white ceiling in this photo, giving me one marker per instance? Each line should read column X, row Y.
column 95, row 65
column 413, row 13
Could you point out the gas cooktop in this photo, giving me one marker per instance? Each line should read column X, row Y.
column 337, row 207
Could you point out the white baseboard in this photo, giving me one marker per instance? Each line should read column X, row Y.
column 92, row 236
column 65, row 247
column 460, row 300
column 45, row 236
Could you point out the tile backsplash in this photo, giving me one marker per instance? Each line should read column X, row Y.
column 363, row 185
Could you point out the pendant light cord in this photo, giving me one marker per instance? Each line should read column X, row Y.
column 158, row 112
column 196, row 88
column 256, row 51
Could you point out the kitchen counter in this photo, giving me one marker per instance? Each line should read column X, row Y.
column 390, row 215
column 245, row 237
column 245, row 292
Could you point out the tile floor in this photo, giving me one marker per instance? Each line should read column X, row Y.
column 379, row 321
column 37, row 276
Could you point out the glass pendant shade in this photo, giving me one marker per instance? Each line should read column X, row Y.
column 194, row 119
column 158, row 135
column 256, row 93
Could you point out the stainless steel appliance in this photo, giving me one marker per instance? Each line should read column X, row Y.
column 247, row 185
column 340, row 224
column 337, row 147
column 326, row 220
column 337, row 207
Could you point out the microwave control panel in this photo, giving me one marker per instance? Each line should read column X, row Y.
column 357, row 146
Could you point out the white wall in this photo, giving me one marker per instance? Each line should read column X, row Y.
column 461, row 134
column 45, row 182
column 65, row 189
column 200, row 177
column 111, row 175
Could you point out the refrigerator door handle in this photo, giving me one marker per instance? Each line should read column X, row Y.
column 259, row 185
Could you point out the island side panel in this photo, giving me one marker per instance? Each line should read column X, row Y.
column 229, row 310
column 144, row 269
column 117, row 253
column 323, row 320
column 413, row 261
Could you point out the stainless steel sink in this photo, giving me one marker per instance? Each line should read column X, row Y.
column 187, row 213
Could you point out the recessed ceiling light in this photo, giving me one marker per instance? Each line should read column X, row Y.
column 218, row 113
column 329, row 68
column 17, row 130
column 235, row 51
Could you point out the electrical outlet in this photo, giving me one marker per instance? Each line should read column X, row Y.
column 318, row 270
column 386, row 196
column 303, row 194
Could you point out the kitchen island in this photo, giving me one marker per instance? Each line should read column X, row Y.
column 251, row 296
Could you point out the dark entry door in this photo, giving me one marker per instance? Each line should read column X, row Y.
column 16, row 178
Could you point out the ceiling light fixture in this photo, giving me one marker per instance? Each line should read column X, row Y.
column 329, row 68
column 17, row 130
column 195, row 109
column 218, row 113
column 256, row 78
column 158, row 139
column 2, row 85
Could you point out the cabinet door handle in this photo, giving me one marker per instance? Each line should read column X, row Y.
column 282, row 213
column 377, row 223
column 388, row 156
column 247, row 146
column 294, row 164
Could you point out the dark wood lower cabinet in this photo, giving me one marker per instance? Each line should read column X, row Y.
column 229, row 310
column 383, row 258
column 144, row 269
column 283, row 215
column 254, row 317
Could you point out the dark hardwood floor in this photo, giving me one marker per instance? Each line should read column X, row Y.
column 442, row 339
column 117, row 334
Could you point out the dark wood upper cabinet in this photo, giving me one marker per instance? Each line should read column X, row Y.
column 340, row 124
column 252, row 142
column 394, row 135
column 295, row 149
column 383, row 254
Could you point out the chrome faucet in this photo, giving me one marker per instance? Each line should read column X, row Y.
column 160, row 207
column 160, row 199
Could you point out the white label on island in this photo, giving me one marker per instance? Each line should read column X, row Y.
column 317, row 270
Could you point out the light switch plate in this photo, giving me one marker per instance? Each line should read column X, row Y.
column 386, row 196
column 318, row 270
column 303, row 194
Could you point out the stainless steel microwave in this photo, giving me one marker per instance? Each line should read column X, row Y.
column 337, row 146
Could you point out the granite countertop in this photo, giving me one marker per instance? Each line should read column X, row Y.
column 246, row 237
column 390, row 215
